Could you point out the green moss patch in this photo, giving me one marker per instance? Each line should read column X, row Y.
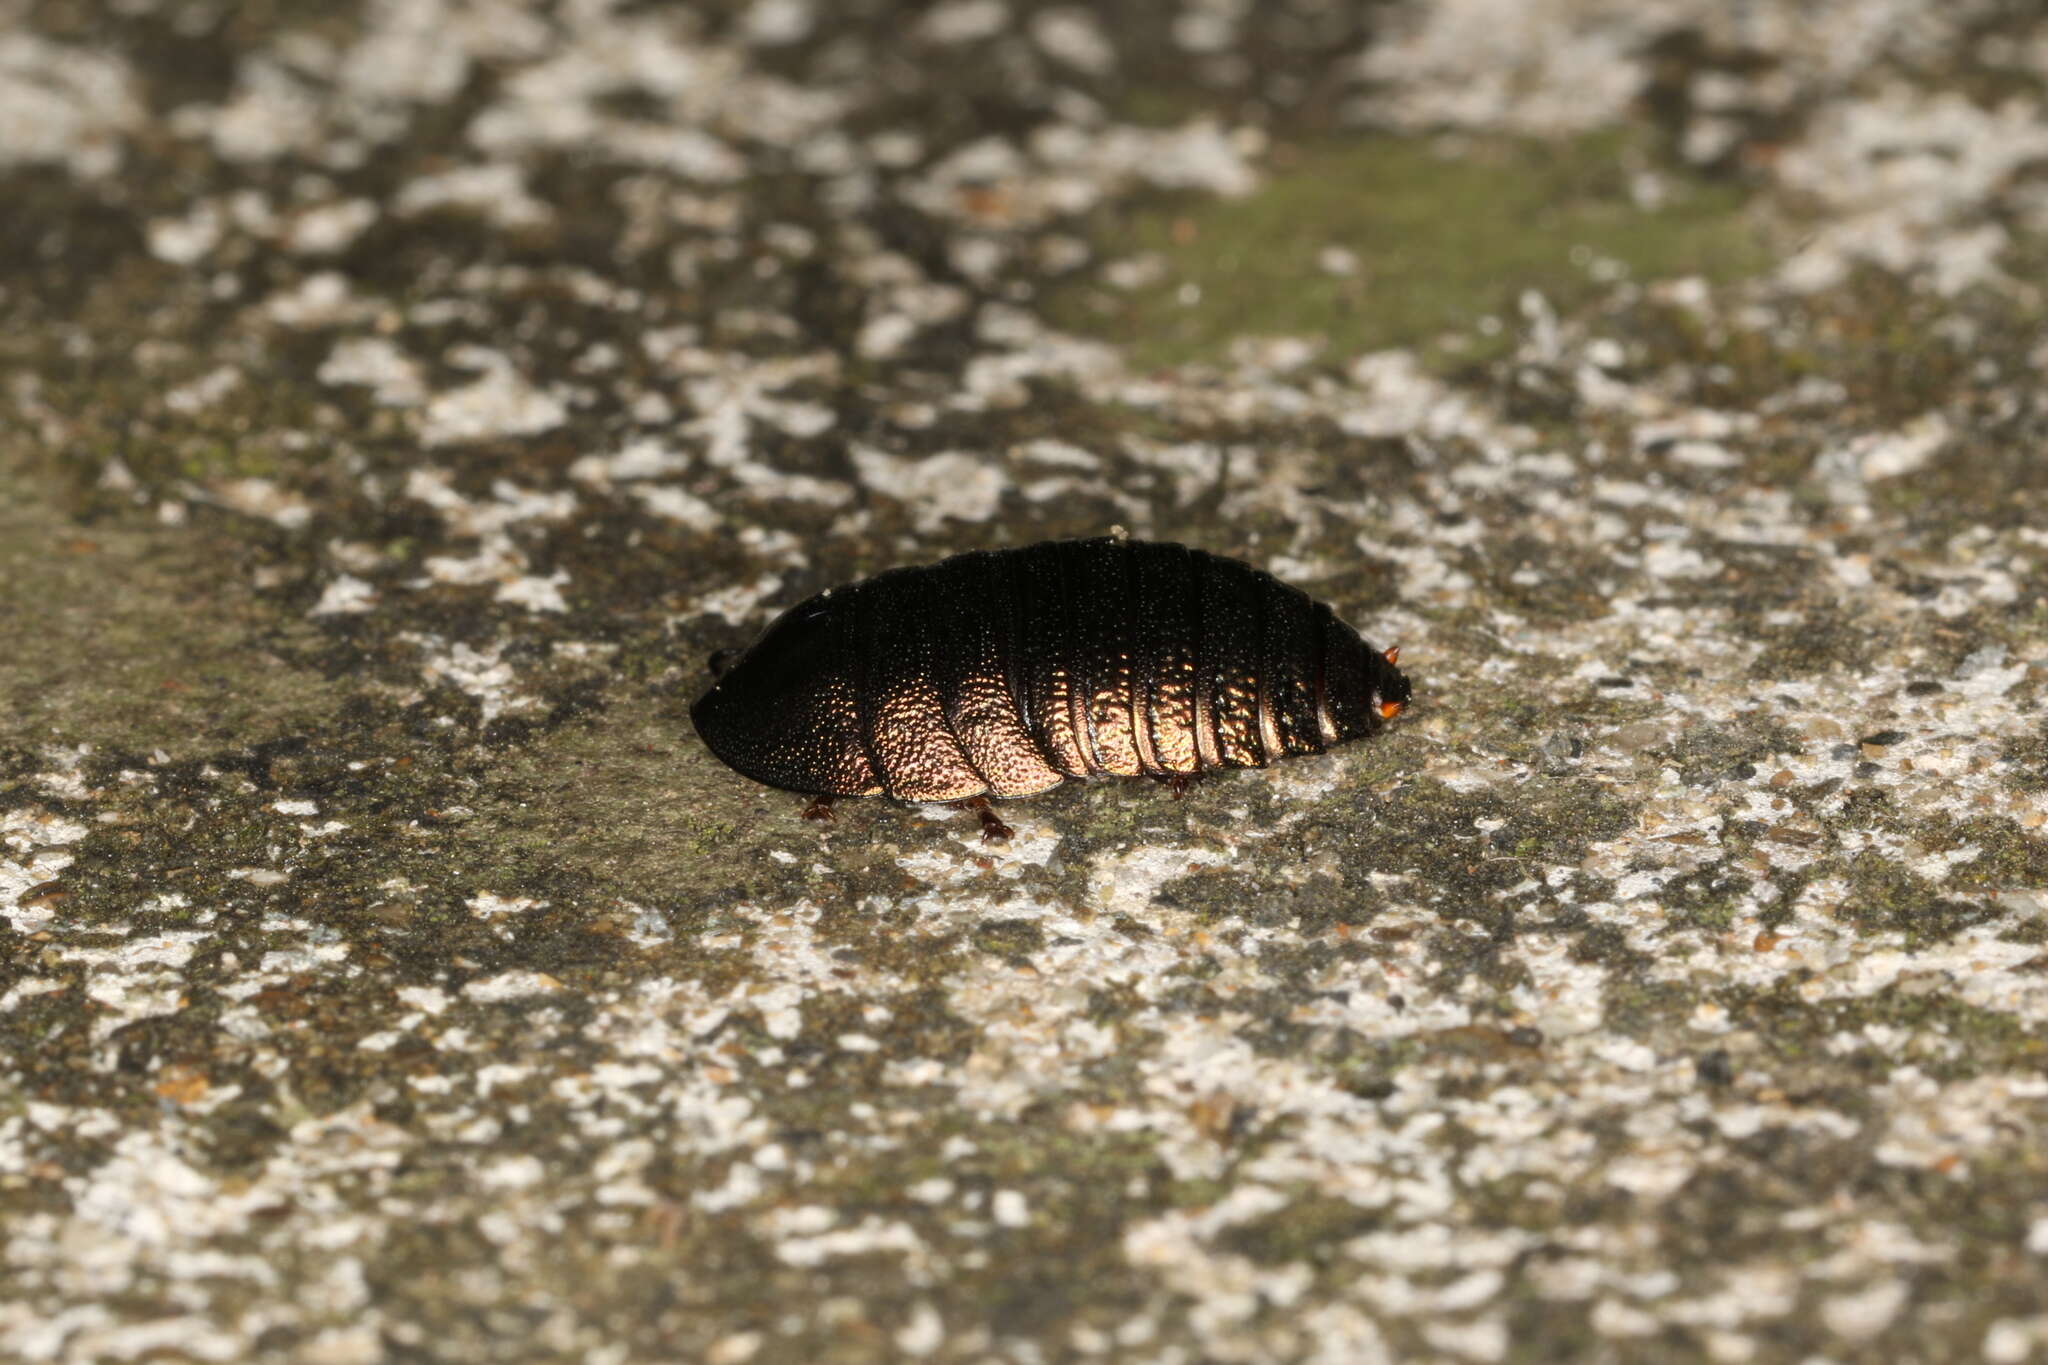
column 137, row 638
column 1442, row 233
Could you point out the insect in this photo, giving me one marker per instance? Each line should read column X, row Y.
column 1005, row 672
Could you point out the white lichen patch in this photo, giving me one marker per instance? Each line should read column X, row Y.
column 1905, row 171
column 496, row 192
column 266, row 499
column 347, row 595
column 64, row 105
column 393, row 378
column 510, row 986
column 500, row 404
column 482, row 673
column 1546, row 67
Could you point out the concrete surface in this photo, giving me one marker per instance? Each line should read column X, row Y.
column 400, row 400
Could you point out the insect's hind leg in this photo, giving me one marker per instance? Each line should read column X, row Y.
column 820, row 809
column 1177, row 784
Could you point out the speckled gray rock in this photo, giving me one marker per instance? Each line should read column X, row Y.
column 400, row 400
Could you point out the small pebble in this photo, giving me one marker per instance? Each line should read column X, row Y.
column 1638, row 735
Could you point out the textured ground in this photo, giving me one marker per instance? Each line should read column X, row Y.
column 399, row 401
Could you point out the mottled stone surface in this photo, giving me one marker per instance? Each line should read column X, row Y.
column 400, row 400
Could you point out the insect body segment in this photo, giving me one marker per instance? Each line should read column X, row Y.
column 1005, row 672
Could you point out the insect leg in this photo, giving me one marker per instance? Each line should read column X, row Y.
column 820, row 809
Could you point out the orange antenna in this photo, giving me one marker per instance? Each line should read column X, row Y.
column 1394, row 655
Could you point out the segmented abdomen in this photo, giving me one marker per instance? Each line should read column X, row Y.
column 1006, row 672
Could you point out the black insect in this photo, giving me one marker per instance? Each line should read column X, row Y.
column 1005, row 672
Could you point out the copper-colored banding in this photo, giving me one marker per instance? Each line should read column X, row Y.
column 1326, row 724
column 1208, row 754
column 1137, row 673
column 1080, row 698
column 863, row 717
column 1269, row 727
